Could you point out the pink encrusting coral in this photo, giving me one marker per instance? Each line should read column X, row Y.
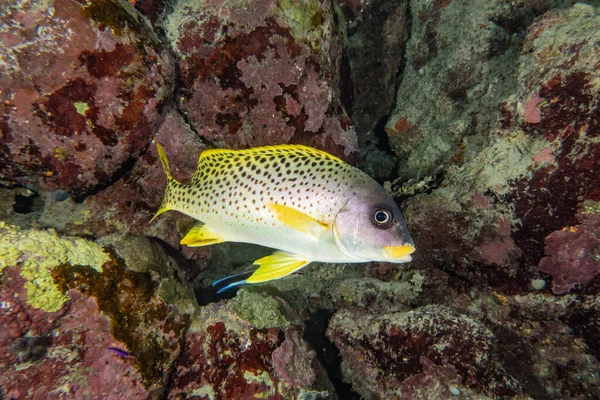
column 573, row 253
column 255, row 78
column 531, row 111
column 572, row 258
column 112, row 327
column 247, row 349
column 80, row 96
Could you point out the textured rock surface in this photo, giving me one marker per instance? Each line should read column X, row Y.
column 566, row 95
column 402, row 355
column 262, row 76
column 248, row 348
column 81, row 92
column 109, row 319
column 522, row 175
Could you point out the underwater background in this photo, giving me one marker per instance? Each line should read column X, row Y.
column 481, row 118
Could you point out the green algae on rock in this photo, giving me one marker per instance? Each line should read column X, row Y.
column 37, row 253
column 140, row 313
column 260, row 310
column 310, row 21
column 152, row 330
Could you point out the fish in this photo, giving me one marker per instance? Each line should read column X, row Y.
column 305, row 203
column 119, row 352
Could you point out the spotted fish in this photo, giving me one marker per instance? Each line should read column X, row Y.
column 304, row 202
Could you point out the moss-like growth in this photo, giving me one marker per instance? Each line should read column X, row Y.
column 151, row 330
column 37, row 253
column 260, row 310
column 306, row 19
column 121, row 17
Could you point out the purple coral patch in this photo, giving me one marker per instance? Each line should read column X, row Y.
column 571, row 258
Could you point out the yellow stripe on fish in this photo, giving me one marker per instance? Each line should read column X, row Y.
column 306, row 203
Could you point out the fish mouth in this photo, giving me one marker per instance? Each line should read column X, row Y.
column 399, row 253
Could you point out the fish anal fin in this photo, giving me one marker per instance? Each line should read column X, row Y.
column 276, row 266
column 201, row 235
column 298, row 220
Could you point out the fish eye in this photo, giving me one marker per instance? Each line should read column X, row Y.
column 382, row 218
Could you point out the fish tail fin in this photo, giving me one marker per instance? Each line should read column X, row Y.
column 168, row 198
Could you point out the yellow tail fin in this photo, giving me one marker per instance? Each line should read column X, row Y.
column 166, row 203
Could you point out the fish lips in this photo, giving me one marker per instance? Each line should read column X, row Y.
column 399, row 254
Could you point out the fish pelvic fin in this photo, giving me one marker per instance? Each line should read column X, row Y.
column 276, row 266
column 231, row 281
column 168, row 198
column 201, row 235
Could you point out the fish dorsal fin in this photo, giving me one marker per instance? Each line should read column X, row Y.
column 283, row 149
column 298, row 220
column 276, row 266
column 212, row 160
column 201, row 235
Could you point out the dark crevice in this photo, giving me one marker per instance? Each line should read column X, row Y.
column 383, row 141
column 178, row 86
column 28, row 204
column 327, row 354
column 121, row 172
column 346, row 84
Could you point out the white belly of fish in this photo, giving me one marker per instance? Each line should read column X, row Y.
column 279, row 236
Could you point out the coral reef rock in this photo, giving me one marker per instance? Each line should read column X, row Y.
column 422, row 354
column 260, row 76
column 498, row 170
column 80, row 317
column 81, row 92
column 249, row 348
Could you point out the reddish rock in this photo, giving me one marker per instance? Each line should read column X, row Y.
column 129, row 204
column 17, row 317
column 573, row 253
column 117, row 336
column 489, row 217
column 259, row 76
column 78, row 346
column 397, row 355
column 247, row 349
column 548, row 201
column 81, row 93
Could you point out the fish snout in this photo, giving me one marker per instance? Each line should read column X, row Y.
column 399, row 253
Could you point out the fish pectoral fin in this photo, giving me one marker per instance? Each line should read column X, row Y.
column 298, row 220
column 276, row 266
column 201, row 235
